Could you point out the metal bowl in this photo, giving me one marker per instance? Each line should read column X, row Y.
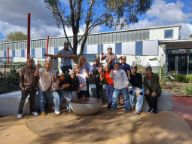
column 86, row 106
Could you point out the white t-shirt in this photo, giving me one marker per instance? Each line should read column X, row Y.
column 45, row 79
column 82, row 80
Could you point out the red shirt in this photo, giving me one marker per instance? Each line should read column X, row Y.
column 108, row 79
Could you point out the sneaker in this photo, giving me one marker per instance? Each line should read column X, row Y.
column 43, row 113
column 35, row 113
column 150, row 109
column 57, row 112
column 19, row 116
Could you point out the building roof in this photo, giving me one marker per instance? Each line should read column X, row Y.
column 137, row 29
column 181, row 43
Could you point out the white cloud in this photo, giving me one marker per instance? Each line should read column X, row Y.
column 166, row 13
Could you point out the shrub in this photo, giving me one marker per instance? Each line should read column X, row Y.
column 181, row 78
column 189, row 78
column 9, row 82
column 188, row 90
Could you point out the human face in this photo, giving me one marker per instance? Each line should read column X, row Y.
column 66, row 46
column 123, row 60
column 109, row 50
column 30, row 62
column 116, row 66
column 106, row 68
column 47, row 65
column 133, row 70
column 148, row 72
column 62, row 78
column 82, row 60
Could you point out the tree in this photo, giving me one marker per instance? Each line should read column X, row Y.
column 16, row 36
column 92, row 13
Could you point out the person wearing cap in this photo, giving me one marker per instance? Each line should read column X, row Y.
column 28, row 85
column 121, row 82
column 110, row 57
column 45, row 83
column 136, row 91
column 152, row 89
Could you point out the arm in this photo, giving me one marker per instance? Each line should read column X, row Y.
column 125, row 78
column 21, row 79
column 103, row 56
column 52, row 55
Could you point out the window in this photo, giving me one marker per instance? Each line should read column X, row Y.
column 168, row 33
column 139, row 48
column 118, row 48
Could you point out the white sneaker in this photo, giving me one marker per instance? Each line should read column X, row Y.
column 19, row 116
column 57, row 112
column 35, row 113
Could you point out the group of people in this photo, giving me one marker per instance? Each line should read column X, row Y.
column 72, row 82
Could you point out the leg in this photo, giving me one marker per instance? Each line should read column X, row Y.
column 111, row 89
column 139, row 102
column 42, row 101
column 154, row 103
column 108, row 95
column 148, row 98
column 132, row 97
column 24, row 95
column 114, row 98
column 32, row 100
column 56, row 101
column 126, row 99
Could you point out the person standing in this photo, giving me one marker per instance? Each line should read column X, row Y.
column 28, row 85
column 152, row 89
column 124, row 65
column 109, row 85
column 136, row 91
column 120, row 86
column 110, row 57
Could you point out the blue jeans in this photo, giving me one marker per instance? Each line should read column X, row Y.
column 109, row 93
column 139, row 99
column 56, row 100
column 45, row 97
column 115, row 96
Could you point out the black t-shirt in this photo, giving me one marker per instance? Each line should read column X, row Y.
column 74, row 84
column 136, row 80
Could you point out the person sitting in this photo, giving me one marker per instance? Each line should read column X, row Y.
column 83, row 92
column 152, row 89
column 120, row 86
column 64, row 86
column 97, row 73
column 45, row 83
column 28, row 85
column 74, row 84
column 136, row 81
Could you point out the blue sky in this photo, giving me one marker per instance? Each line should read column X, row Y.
column 13, row 16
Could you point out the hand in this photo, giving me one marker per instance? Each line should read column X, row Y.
column 81, row 85
column 153, row 94
column 147, row 92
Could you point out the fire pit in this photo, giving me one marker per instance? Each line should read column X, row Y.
column 86, row 106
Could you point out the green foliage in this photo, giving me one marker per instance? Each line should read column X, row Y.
column 181, row 78
column 188, row 90
column 92, row 13
column 16, row 36
column 10, row 82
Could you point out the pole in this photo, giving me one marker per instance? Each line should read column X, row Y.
column 47, row 45
column 7, row 59
column 28, row 34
